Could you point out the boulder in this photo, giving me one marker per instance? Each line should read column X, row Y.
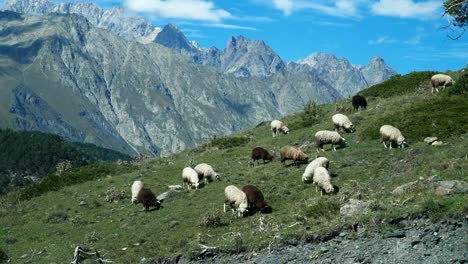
column 405, row 188
column 430, row 140
column 451, row 187
column 354, row 207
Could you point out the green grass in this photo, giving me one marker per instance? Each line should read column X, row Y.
column 54, row 221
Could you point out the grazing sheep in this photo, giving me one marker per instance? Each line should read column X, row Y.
column 392, row 135
column 292, row 153
column 342, row 122
column 324, row 137
column 307, row 177
column 137, row 186
column 206, row 173
column 359, row 101
column 441, row 80
column 259, row 153
column 236, row 199
column 144, row 196
column 322, row 179
column 278, row 126
column 190, row 177
column 256, row 199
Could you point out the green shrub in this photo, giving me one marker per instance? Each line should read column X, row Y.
column 311, row 114
column 211, row 219
column 398, row 85
column 440, row 116
column 460, row 87
column 57, row 217
column 229, row 142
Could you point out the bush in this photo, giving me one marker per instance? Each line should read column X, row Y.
column 461, row 86
column 229, row 142
column 211, row 219
column 57, row 217
column 323, row 208
column 311, row 114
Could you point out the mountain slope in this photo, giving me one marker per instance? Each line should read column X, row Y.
column 63, row 75
column 363, row 170
column 28, row 156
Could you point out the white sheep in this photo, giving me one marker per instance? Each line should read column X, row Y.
column 441, row 80
column 322, row 179
column 324, row 137
column 392, row 135
column 206, row 172
column 307, row 177
column 235, row 198
column 190, row 177
column 276, row 126
column 342, row 122
column 137, row 186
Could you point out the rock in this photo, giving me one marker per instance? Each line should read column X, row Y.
column 396, row 234
column 438, row 143
column 173, row 224
column 354, row 207
column 293, row 242
column 175, row 187
column 163, row 196
column 430, row 140
column 82, row 203
column 405, row 188
column 451, row 187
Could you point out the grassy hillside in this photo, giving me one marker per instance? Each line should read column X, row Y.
column 46, row 228
column 27, row 154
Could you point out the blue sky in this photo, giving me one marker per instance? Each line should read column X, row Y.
column 408, row 34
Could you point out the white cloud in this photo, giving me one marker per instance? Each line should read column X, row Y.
column 406, row 8
column 285, row 5
column 382, row 40
column 182, row 9
column 229, row 26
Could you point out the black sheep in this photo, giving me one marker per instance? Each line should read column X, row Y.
column 259, row 153
column 147, row 198
column 256, row 199
column 359, row 101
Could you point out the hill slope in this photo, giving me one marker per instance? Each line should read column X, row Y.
column 28, row 156
column 54, row 222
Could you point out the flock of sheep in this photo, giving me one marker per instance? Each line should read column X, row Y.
column 249, row 198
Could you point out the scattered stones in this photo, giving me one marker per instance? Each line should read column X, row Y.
column 354, row 207
column 405, row 188
column 451, row 187
column 430, row 140
column 396, row 234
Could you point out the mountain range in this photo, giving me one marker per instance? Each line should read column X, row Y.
column 103, row 77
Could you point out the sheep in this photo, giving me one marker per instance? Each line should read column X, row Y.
column 137, row 186
column 441, row 80
column 341, row 121
column 206, row 173
column 276, row 126
column 392, row 135
column 255, row 199
column 359, row 101
column 292, row 153
column 322, row 179
column 190, row 177
column 236, row 199
column 144, row 196
column 307, row 177
column 261, row 153
column 324, row 137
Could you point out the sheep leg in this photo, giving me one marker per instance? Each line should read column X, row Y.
column 316, row 189
column 333, row 146
column 385, row 145
column 390, row 144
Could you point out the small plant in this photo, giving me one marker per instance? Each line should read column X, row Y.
column 211, row 219
column 323, row 208
column 57, row 217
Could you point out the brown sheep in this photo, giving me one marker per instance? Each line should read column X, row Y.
column 147, row 198
column 259, row 153
column 256, row 199
column 293, row 153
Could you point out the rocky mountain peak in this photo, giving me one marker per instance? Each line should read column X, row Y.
column 171, row 37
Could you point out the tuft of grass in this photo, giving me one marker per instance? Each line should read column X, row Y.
column 228, row 142
column 398, row 85
column 211, row 219
column 57, row 217
column 324, row 207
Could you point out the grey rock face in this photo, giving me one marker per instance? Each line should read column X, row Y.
column 377, row 71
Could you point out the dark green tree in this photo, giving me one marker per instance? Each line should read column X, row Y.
column 458, row 12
